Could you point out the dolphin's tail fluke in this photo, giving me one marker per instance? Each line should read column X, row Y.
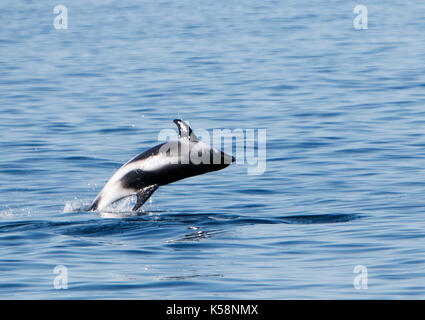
column 94, row 205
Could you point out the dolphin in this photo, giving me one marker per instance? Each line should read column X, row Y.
column 163, row 164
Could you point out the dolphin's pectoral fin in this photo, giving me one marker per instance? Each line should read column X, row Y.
column 144, row 195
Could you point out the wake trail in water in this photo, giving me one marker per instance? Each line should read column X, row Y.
column 122, row 209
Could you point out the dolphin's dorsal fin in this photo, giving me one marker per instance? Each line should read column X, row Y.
column 185, row 131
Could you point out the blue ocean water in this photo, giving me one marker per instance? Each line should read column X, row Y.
column 344, row 184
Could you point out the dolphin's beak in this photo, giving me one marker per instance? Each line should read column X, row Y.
column 227, row 159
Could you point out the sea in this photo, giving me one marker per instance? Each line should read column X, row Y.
column 332, row 208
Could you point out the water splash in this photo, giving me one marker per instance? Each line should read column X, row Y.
column 119, row 209
column 76, row 205
column 9, row 213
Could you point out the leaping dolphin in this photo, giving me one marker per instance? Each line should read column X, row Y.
column 165, row 163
